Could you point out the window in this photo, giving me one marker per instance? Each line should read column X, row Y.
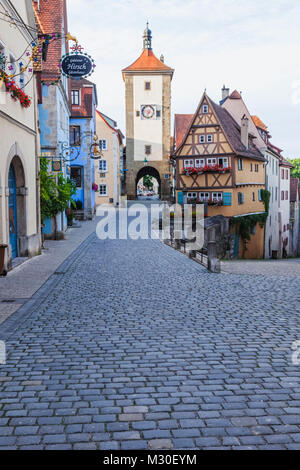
column 253, row 196
column 205, row 109
column 76, row 175
column 211, row 161
column 286, row 195
column 259, row 195
column 287, row 174
column 251, row 167
column 147, row 85
column 202, row 139
column 148, row 149
column 192, row 195
column 102, row 190
column 74, row 135
column 75, row 97
column 199, row 163
column 138, row 114
column 223, row 162
column 273, row 166
column 276, row 194
column 241, row 198
column 210, row 138
column 188, row 163
column 282, row 195
column 2, row 57
column 158, row 114
column 217, row 197
column 272, row 194
column 102, row 166
column 282, row 174
column 240, row 164
column 204, row 197
column 276, row 168
column 256, row 168
column 103, row 144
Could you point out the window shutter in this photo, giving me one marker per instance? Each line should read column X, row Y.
column 242, row 198
column 227, row 199
column 259, row 194
column 180, row 197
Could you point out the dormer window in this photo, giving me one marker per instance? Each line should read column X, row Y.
column 205, row 109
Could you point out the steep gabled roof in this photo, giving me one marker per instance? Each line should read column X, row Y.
column 181, row 125
column 51, row 17
column 231, row 130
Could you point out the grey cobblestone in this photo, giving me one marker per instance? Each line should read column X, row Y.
column 206, row 368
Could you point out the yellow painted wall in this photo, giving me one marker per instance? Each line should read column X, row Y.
column 254, row 247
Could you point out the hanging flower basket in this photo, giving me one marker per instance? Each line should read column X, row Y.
column 94, row 187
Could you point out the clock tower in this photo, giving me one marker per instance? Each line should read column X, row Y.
column 148, row 120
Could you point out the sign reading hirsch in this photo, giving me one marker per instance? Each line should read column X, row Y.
column 76, row 65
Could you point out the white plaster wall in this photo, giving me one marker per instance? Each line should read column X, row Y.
column 148, row 131
column 272, row 224
column 17, row 125
column 284, row 206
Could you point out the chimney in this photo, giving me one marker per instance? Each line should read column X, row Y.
column 162, row 58
column 245, row 131
column 225, row 92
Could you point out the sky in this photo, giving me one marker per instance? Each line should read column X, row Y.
column 251, row 46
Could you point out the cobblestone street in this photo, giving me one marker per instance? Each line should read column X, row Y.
column 136, row 346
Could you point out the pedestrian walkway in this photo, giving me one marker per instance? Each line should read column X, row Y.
column 135, row 346
column 24, row 280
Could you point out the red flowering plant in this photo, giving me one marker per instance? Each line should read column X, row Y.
column 94, row 187
column 15, row 92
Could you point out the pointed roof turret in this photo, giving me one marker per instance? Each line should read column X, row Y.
column 147, row 38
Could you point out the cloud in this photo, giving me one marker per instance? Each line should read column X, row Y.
column 251, row 46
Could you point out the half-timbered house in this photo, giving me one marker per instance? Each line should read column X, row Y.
column 219, row 165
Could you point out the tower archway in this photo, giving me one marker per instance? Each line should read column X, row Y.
column 148, row 171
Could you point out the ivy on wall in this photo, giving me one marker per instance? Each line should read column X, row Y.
column 245, row 224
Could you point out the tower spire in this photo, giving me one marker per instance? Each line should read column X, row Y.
column 147, row 38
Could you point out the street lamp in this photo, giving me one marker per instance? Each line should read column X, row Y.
column 145, row 162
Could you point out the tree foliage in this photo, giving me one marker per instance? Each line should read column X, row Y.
column 56, row 194
column 295, row 172
column 148, row 181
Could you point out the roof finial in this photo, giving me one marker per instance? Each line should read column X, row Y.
column 147, row 38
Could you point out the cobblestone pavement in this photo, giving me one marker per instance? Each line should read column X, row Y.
column 283, row 267
column 138, row 347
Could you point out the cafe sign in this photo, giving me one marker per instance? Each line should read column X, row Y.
column 77, row 65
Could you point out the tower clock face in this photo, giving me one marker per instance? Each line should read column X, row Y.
column 148, row 112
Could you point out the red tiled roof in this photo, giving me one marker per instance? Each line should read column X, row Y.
column 51, row 17
column 181, row 124
column 294, row 189
column 258, row 123
column 147, row 61
column 285, row 163
column 235, row 95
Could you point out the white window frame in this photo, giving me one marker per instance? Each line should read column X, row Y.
column 205, row 109
column 101, row 170
column 102, row 186
column 188, row 163
column 225, row 163
column 209, row 138
column 103, row 144
column 217, row 196
column 79, row 98
column 240, row 164
column 211, row 161
column 202, row 139
column 204, row 197
column 3, row 52
column 199, row 162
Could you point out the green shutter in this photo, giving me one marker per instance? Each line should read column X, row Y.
column 227, row 199
column 180, row 197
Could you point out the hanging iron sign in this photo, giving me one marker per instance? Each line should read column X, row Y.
column 77, row 65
